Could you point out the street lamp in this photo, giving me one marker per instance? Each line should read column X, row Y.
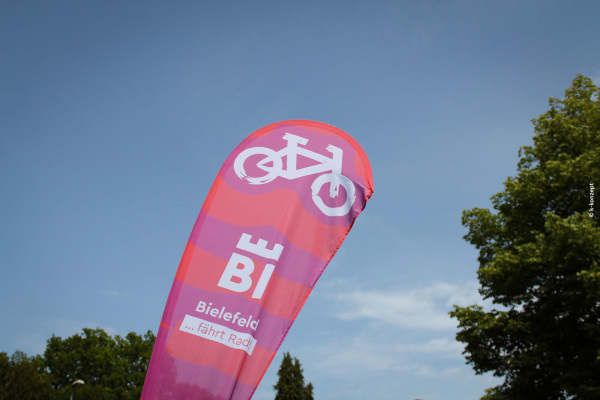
column 76, row 383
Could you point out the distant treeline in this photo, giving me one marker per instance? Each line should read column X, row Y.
column 111, row 367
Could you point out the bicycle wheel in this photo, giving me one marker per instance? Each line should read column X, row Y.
column 272, row 172
column 334, row 180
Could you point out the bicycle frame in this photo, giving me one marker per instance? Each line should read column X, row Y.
column 328, row 169
column 293, row 150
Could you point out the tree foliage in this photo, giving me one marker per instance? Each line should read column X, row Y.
column 290, row 385
column 112, row 367
column 539, row 257
column 20, row 378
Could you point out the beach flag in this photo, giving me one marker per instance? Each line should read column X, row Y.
column 277, row 212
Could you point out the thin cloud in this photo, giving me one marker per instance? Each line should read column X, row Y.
column 35, row 343
column 113, row 293
column 443, row 347
column 424, row 308
column 361, row 357
column 351, row 356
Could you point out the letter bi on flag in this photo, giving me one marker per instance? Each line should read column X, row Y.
column 277, row 212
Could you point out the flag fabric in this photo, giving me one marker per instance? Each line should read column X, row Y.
column 279, row 209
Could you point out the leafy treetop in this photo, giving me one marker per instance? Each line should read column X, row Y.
column 539, row 260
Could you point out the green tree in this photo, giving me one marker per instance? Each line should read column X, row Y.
column 308, row 392
column 21, row 378
column 290, row 385
column 539, row 254
column 111, row 367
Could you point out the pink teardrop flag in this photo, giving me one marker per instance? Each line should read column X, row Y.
column 279, row 209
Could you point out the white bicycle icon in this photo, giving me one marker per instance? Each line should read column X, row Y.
column 292, row 151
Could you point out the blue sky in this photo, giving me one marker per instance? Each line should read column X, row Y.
column 116, row 116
